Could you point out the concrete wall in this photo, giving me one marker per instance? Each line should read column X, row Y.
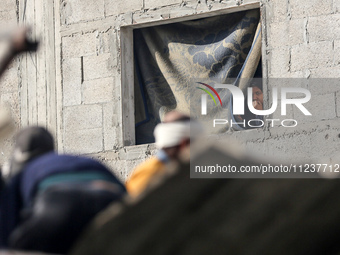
column 301, row 42
column 73, row 85
column 9, row 87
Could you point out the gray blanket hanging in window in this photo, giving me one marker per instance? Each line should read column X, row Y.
column 170, row 60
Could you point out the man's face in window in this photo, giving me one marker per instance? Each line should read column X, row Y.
column 257, row 98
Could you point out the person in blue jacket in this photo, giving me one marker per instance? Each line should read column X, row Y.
column 50, row 198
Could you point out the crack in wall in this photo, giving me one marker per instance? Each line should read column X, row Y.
column 306, row 33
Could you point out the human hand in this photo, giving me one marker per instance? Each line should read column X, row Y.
column 20, row 42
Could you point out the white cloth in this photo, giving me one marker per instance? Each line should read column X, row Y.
column 171, row 134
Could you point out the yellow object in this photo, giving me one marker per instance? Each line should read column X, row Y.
column 143, row 174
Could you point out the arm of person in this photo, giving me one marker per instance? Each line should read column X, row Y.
column 18, row 43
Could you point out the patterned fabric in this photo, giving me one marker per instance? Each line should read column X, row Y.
column 171, row 59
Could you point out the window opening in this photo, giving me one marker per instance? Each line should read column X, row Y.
column 171, row 59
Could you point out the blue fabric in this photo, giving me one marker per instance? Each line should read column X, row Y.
column 72, row 177
column 11, row 204
column 162, row 156
column 22, row 188
column 52, row 163
column 172, row 58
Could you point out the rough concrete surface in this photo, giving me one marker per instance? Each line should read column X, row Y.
column 74, row 84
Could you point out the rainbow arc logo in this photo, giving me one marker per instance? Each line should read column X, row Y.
column 204, row 97
column 209, row 93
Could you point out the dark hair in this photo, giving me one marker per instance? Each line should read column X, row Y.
column 184, row 118
column 34, row 140
column 31, row 142
column 256, row 84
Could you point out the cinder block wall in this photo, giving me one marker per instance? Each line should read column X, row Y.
column 73, row 84
column 301, row 42
column 10, row 82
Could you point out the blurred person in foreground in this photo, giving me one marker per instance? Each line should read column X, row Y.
column 49, row 198
column 173, row 143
